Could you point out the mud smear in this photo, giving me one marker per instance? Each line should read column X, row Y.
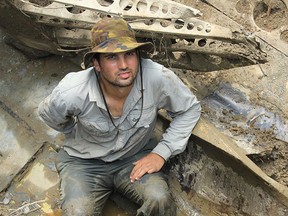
column 267, row 12
column 264, row 86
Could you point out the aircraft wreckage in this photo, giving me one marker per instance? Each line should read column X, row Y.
column 63, row 27
column 212, row 177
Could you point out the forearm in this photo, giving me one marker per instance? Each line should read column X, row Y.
column 176, row 136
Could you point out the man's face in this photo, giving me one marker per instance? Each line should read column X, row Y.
column 118, row 69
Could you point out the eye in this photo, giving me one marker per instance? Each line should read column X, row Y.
column 110, row 57
column 131, row 53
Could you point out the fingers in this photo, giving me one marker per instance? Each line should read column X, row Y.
column 136, row 175
column 139, row 171
column 148, row 164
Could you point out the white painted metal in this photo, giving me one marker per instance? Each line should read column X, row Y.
column 176, row 24
column 164, row 9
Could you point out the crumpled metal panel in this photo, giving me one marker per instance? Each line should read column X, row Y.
column 173, row 27
column 229, row 8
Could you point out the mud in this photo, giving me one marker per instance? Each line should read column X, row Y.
column 274, row 152
column 200, row 173
column 270, row 15
column 264, row 86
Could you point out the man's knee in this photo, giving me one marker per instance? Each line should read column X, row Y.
column 82, row 206
column 160, row 205
column 160, row 196
column 157, row 198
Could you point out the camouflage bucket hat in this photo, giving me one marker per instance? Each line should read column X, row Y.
column 113, row 35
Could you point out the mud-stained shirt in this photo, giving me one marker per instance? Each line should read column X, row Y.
column 76, row 108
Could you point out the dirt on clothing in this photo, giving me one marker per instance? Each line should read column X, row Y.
column 249, row 104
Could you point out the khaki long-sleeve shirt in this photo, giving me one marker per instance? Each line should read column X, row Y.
column 76, row 108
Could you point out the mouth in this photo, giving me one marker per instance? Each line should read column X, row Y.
column 124, row 75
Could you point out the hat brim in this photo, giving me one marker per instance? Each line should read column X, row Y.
column 115, row 46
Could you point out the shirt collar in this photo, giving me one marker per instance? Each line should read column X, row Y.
column 94, row 90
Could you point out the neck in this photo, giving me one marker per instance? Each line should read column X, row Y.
column 114, row 97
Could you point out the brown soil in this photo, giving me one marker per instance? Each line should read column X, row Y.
column 270, row 15
column 265, row 86
column 273, row 159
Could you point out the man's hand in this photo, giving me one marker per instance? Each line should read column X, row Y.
column 148, row 164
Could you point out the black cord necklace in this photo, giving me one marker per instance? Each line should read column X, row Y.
column 142, row 98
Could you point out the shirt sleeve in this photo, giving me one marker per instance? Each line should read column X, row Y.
column 185, row 111
column 57, row 112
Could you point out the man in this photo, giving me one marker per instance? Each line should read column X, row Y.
column 108, row 113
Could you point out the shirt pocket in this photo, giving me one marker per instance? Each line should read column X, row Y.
column 147, row 116
column 99, row 127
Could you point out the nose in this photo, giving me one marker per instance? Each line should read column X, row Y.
column 122, row 63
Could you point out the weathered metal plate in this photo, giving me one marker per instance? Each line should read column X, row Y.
column 23, row 85
column 17, row 146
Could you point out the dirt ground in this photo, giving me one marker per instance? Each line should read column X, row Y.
column 258, row 119
column 264, row 85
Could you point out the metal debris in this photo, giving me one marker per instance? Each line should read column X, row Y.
column 27, row 208
column 173, row 27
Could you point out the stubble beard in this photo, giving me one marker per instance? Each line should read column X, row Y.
column 117, row 82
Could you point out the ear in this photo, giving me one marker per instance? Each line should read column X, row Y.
column 96, row 64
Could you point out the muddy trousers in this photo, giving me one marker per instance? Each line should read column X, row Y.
column 86, row 184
